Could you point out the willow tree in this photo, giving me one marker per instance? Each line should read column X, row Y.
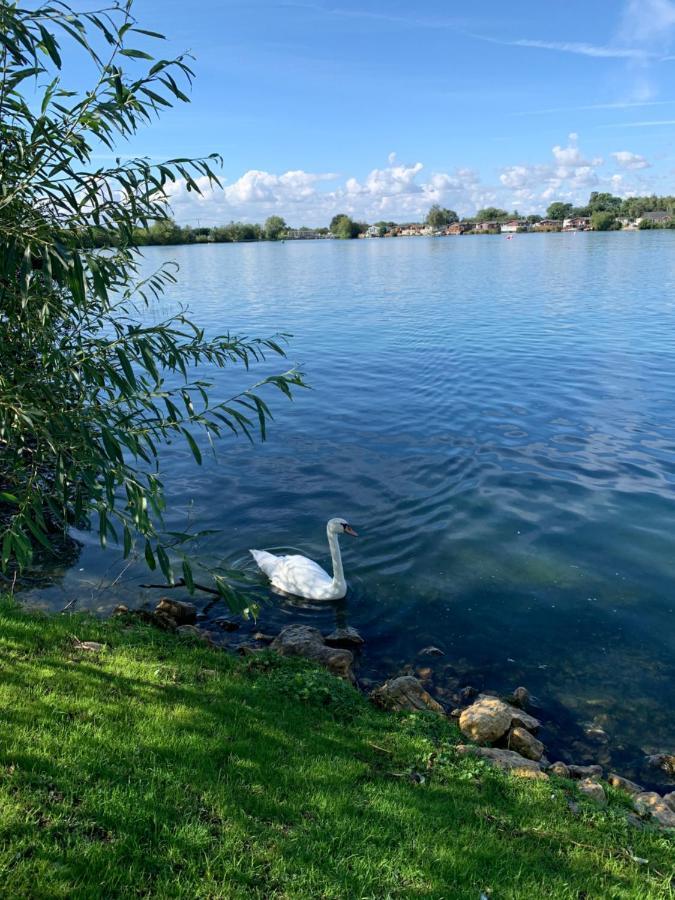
column 88, row 392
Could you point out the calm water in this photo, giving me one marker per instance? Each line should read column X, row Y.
column 497, row 418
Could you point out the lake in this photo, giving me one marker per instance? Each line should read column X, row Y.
column 497, row 420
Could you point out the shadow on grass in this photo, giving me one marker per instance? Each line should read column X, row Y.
column 156, row 769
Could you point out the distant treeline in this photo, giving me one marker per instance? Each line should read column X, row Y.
column 607, row 210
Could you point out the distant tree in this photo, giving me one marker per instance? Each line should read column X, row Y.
column 559, row 210
column 342, row 226
column 438, row 216
column 274, row 228
column 491, row 214
column 602, row 221
column 599, row 202
column 532, row 220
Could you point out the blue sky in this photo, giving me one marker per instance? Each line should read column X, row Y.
column 381, row 108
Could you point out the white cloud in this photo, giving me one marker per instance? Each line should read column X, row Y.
column 404, row 191
column 583, row 49
column 628, row 160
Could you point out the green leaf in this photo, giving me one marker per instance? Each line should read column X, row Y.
column 150, row 556
column 193, row 446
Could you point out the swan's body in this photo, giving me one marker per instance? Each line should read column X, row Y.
column 303, row 577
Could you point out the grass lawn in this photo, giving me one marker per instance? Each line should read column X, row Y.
column 164, row 768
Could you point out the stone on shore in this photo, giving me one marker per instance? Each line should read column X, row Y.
column 90, row 646
column 669, row 799
column 525, row 720
column 594, row 790
column 486, row 720
column 405, row 693
column 193, row 631
column 181, row 612
column 585, row 771
column 650, row 803
column 624, row 784
column 344, row 637
column 525, row 743
column 308, row 642
column 508, row 760
column 561, row 769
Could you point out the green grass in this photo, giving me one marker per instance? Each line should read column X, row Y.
column 165, row 769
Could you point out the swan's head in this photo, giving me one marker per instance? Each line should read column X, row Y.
column 340, row 526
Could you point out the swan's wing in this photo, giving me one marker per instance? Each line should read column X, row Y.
column 267, row 562
column 302, row 577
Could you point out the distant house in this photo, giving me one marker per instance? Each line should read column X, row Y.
column 486, row 226
column 657, row 217
column 548, row 225
column 414, row 229
column 372, row 231
column 577, row 223
column 302, row 234
column 512, row 226
column 459, row 228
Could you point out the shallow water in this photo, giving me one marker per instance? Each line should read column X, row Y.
column 496, row 419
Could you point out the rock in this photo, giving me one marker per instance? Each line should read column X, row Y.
column 455, row 713
column 344, row 637
column 467, row 693
column 524, row 743
column 193, row 631
column 508, row 760
column 181, row 612
column 669, row 799
column 664, row 761
column 650, row 803
column 585, row 771
column 635, row 821
column 431, row 651
column 424, row 673
column 520, row 697
column 262, row 637
column 120, row 610
column 405, row 693
column 227, row 624
column 560, row 769
column 594, row 790
column 623, row 784
column 486, row 720
column 525, row 720
column 303, row 640
column 90, row 646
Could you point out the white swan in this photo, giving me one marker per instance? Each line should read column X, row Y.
column 303, row 577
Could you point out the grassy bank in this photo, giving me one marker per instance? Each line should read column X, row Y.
column 158, row 768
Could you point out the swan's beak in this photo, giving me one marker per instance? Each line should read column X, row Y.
column 350, row 530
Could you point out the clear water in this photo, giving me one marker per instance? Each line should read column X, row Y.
column 496, row 418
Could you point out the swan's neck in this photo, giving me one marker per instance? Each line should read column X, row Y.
column 336, row 556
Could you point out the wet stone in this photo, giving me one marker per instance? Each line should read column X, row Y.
column 431, row 651
column 344, row 637
column 585, row 771
column 663, row 761
column 181, row 612
column 520, row 697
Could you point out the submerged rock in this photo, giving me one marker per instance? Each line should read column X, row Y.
column 344, row 637
column 594, row 790
column 431, row 651
column 520, row 697
column 181, row 612
column 405, row 693
column 486, row 720
column 624, row 784
column 650, row 803
column 663, row 761
column 508, row 760
column 467, row 693
column 308, row 642
column 525, row 743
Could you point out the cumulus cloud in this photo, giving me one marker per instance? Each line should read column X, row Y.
column 405, row 191
column 628, row 160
